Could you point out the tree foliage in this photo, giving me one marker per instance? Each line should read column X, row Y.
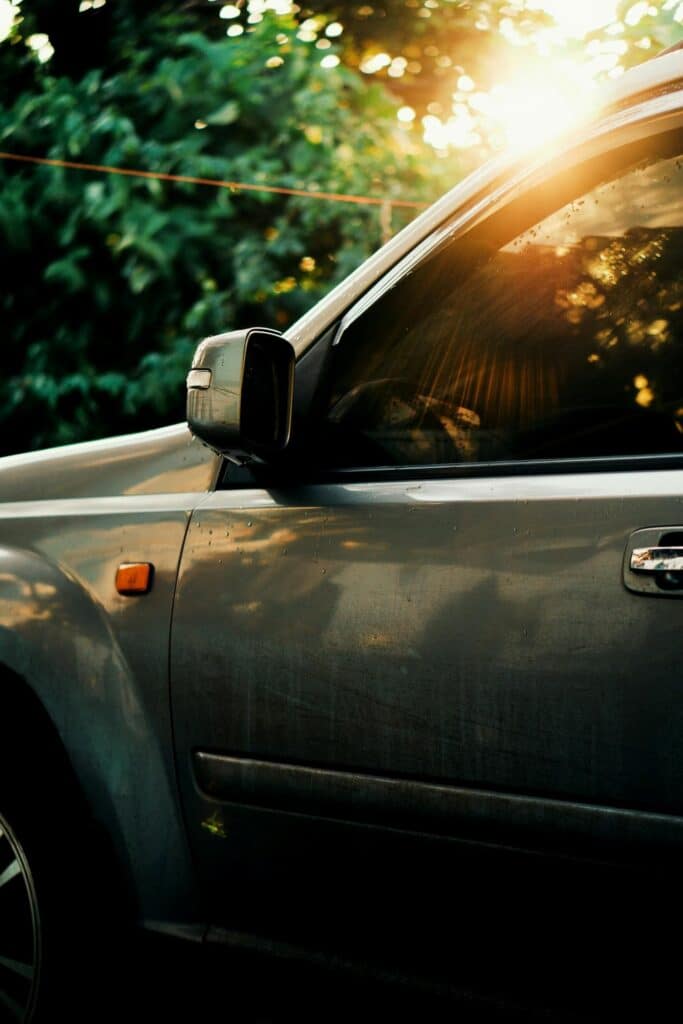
column 111, row 280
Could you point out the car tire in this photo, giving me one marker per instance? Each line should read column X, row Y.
column 45, row 964
column 59, row 904
column 21, row 943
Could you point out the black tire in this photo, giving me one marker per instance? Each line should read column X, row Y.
column 45, row 962
column 21, row 942
column 65, row 894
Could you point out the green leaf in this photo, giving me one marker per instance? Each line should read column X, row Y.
column 227, row 114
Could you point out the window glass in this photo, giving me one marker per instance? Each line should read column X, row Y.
column 560, row 341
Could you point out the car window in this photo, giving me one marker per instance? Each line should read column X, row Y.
column 563, row 340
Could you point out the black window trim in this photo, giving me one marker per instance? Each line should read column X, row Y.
column 524, row 467
column 248, row 477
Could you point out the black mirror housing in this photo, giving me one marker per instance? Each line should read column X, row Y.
column 240, row 393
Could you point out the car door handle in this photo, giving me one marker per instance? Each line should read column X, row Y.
column 653, row 562
column 657, row 560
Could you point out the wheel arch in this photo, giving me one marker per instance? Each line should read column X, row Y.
column 75, row 702
column 26, row 729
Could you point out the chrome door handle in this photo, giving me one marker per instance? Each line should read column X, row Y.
column 657, row 560
column 653, row 562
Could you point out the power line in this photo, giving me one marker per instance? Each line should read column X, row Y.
column 233, row 186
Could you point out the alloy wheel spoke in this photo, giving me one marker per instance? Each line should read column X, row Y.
column 10, row 872
column 11, row 1005
column 17, row 977
column 17, row 967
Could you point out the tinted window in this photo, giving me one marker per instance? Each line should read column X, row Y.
column 562, row 341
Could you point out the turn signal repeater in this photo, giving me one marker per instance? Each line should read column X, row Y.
column 134, row 578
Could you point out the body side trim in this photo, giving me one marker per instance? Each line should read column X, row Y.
column 450, row 811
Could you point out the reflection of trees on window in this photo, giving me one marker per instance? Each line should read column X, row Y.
column 628, row 300
column 558, row 345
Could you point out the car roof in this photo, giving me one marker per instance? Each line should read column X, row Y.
column 660, row 74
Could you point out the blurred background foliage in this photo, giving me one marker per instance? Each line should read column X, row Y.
column 109, row 282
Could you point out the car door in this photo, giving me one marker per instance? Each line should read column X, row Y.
column 424, row 622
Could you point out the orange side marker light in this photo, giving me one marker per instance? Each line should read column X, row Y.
column 134, row 578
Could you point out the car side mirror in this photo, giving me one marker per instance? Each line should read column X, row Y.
column 240, row 393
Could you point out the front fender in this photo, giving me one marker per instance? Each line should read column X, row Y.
column 56, row 634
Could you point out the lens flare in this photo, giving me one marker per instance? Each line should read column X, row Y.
column 575, row 18
column 528, row 111
column 552, row 94
column 519, row 114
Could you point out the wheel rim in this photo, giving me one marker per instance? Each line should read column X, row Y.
column 19, row 931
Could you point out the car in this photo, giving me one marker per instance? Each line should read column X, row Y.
column 374, row 661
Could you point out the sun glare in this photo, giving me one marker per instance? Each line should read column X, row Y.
column 575, row 18
column 527, row 112
column 554, row 92
column 518, row 114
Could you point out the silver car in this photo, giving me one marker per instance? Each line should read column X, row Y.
column 374, row 662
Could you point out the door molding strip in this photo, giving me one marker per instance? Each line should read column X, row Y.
column 458, row 812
